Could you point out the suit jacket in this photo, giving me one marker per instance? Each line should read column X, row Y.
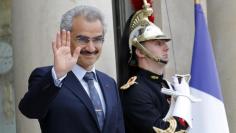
column 68, row 109
column 144, row 104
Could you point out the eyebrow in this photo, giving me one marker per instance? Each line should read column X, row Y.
column 79, row 36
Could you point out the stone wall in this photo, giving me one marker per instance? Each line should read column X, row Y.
column 7, row 98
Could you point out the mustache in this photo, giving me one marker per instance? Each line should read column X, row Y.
column 85, row 52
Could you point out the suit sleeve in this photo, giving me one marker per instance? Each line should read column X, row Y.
column 120, row 127
column 41, row 91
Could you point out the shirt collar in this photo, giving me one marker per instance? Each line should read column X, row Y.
column 80, row 72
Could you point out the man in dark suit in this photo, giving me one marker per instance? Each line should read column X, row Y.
column 72, row 96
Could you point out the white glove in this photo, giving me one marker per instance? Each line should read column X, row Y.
column 180, row 92
column 182, row 107
column 181, row 85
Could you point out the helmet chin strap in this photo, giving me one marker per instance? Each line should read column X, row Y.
column 146, row 52
column 163, row 62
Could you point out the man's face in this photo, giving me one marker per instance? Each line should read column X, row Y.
column 89, row 37
column 158, row 48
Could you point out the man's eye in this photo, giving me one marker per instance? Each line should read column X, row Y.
column 83, row 40
column 86, row 40
column 98, row 40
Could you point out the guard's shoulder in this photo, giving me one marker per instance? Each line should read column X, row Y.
column 129, row 83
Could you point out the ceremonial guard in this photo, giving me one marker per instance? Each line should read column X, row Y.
column 150, row 103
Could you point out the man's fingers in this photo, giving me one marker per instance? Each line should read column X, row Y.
column 63, row 37
column 54, row 47
column 58, row 40
column 76, row 53
column 68, row 38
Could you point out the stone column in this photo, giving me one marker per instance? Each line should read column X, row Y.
column 34, row 25
column 7, row 102
column 222, row 26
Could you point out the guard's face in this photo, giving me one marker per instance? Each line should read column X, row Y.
column 158, row 48
column 89, row 36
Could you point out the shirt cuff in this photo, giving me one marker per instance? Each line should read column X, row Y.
column 57, row 82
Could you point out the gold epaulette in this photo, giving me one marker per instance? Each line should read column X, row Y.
column 171, row 129
column 130, row 82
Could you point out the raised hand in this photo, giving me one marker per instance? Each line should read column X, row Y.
column 64, row 60
column 181, row 85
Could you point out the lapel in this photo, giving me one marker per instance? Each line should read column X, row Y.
column 107, row 94
column 73, row 84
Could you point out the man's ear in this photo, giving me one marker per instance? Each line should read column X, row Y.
column 139, row 53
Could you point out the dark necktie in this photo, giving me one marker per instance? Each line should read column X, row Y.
column 88, row 77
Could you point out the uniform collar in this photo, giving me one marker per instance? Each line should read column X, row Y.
column 156, row 78
column 150, row 75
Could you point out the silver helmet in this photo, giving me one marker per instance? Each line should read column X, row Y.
column 141, row 30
